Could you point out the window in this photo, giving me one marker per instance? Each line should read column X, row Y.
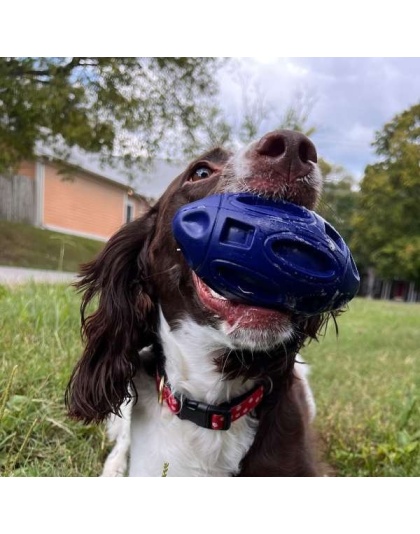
column 129, row 211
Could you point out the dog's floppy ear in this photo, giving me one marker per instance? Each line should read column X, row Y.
column 121, row 326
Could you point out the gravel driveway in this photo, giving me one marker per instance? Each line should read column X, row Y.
column 18, row 275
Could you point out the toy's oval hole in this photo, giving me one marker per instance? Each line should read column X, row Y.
column 334, row 235
column 304, row 258
column 246, row 284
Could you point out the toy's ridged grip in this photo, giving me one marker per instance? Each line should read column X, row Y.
column 267, row 253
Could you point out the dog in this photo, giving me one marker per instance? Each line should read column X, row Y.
column 193, row 384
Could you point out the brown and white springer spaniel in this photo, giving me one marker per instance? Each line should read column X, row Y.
column 160, row 338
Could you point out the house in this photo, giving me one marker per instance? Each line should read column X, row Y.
column 89, row 199
column 378, row 288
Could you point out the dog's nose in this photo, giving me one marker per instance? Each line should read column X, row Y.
column 287, row 152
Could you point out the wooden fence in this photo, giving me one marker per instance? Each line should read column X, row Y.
column 18, row 199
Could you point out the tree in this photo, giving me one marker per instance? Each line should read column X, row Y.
column 250, row 112
column 339, row 198
column 132, row 108
column 387, row 224
column 124, row 107
column 297, row 114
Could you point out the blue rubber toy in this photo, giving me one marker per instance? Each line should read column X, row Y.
column 267, row 253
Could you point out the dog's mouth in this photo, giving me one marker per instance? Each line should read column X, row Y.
column 236, row 314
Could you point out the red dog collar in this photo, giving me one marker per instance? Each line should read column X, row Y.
column 215, row 417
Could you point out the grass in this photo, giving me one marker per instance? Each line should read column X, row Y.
column 366, row 385
column 22, row 245
column 39, row 345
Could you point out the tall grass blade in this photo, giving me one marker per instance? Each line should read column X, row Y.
column 6, row 393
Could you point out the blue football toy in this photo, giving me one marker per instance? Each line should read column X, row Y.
column 267, row 253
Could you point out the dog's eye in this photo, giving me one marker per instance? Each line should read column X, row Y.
column 201, row 173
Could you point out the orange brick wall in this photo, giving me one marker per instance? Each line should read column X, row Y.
column 83, row 204
column 27, row 168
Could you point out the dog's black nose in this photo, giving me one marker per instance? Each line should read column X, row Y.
column 290, row 153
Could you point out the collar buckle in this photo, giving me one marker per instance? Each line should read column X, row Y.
column 201, row 414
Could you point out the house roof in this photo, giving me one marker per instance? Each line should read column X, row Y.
column 149, row 183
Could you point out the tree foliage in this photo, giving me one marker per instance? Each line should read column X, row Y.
column 132, row 108
column 387, row 224
column 127, row 107
column 339, row 198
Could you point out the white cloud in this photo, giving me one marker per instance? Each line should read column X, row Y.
column 354, row 98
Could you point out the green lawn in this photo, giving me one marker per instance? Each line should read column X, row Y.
column 39, row 345
column 366, row 385
column 22, row 245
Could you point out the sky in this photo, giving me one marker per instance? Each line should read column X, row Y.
column 349, row 98
column 353, row 97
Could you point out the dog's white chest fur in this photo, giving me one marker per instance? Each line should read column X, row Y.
column 159, row 437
